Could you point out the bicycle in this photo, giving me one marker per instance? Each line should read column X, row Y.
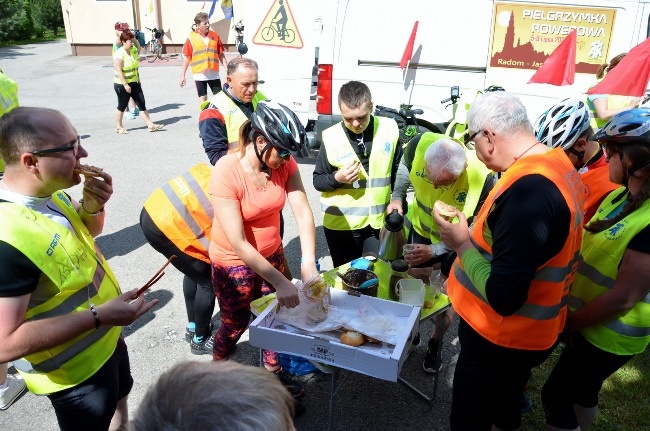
column 406, row 120
column 269, row 32
column 457, row 127
column 242, row 49
column 154, row 47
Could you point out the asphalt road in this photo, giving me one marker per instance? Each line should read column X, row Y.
column 81, row 87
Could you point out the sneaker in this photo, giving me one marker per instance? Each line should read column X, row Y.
column 136, row 112
column 295, row 389
column 431, row 364
column 189, row 334
column 202, row 348
column 526, row 403
column 15, row 388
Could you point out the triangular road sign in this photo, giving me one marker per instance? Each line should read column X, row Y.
column 279, row 28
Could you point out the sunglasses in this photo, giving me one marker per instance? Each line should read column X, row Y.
column 282, row 152
column 471, row 137
column 74, row 147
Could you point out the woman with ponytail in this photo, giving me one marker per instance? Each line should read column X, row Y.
column 248, row 189
column 609, row 302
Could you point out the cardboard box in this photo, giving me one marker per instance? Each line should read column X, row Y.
column 382, row 361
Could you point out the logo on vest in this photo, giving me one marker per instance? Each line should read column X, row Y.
column 460, row 197
column 387, row 148
column 53, row 244
column 181, row 185
column 616, row 231
column 422, row 174
column 344, row 156
column 64, row 198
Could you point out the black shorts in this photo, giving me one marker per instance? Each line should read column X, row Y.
column 202, row 87
column 123, row 96
column 92, row 403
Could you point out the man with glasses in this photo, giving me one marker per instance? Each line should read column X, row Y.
column 511, row 279
column 203, row 51
column 439, row 169
column 61, row 308
column 566, row 125
column 355, row 171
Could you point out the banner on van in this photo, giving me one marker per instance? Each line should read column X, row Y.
column 524, row 35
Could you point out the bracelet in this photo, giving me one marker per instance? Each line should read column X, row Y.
column 95, row 315
column 95, row 214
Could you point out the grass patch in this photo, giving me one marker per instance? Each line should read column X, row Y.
column 624, row 403
column 48, row 36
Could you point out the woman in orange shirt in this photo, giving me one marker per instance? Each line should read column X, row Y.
column 248, row 189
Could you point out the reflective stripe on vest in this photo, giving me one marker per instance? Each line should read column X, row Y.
column 232, row 115
column 204, row 57
column 363, row 202
column 464, row 193
column 130, row 65
column 74, row 276
column 536, row 325
column 182, row 210
column 601, row 255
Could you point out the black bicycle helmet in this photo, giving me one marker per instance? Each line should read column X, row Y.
column 625, row 127
column 280, row 126
column 562, row 124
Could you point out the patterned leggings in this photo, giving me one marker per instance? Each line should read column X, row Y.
column 236, row 287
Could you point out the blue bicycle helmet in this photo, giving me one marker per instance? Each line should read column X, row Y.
column 628, row 126
column 562, row 124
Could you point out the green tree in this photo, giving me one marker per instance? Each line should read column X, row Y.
column 48, row 14
column 12, row 14
column 26, row 26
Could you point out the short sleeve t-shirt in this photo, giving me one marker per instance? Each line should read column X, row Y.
column 260, row 207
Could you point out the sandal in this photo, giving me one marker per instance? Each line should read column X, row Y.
column 156, row 127
column 121, row 131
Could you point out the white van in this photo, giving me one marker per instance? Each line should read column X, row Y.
column 467, row 43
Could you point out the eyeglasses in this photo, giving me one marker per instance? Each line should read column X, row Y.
column 74, row 147
column 471, row 137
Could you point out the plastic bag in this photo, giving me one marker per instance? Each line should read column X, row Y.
column 296, row 365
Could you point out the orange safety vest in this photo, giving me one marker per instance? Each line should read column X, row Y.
column 182, row 210
column 598, row 186
column 204, row 57
column 536, row 325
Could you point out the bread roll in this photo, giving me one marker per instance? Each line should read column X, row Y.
column 88, row 170
column 352, row 338
column 445, row 210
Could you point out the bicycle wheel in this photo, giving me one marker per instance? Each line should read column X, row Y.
column 289, row 35
column 150, row 55
column 268, row 33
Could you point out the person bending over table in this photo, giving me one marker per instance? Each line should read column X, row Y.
column 249, row 188
column 439, row 169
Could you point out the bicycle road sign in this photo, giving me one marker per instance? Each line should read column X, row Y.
column 279, row 28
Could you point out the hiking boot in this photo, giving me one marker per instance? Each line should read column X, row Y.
column 15, row 388
column 431, row 364
column 202, row 348
column 295, row 389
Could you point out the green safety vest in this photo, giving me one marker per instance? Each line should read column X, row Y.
column 130, row 65
column 601, row 254
column 464, row 193
column 8, row 100
column 75, row 274
column 232, row 115
column 613, row 102
column 347, row 207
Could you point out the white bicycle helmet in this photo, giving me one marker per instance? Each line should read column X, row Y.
column 562, row 124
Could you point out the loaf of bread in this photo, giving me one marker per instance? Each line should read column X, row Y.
column 352, row 338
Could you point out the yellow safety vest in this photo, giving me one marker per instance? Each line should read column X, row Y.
column 181, row 209
column 601, row 254
column 8, row 101
column 75, row 275
column 130, row 65
column 204, row 57
column 613, row 102
column 464, row 193
column 232, row 115
column 347, row 207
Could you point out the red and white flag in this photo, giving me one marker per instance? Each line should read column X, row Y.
column 408, row 52
column 560, row 67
